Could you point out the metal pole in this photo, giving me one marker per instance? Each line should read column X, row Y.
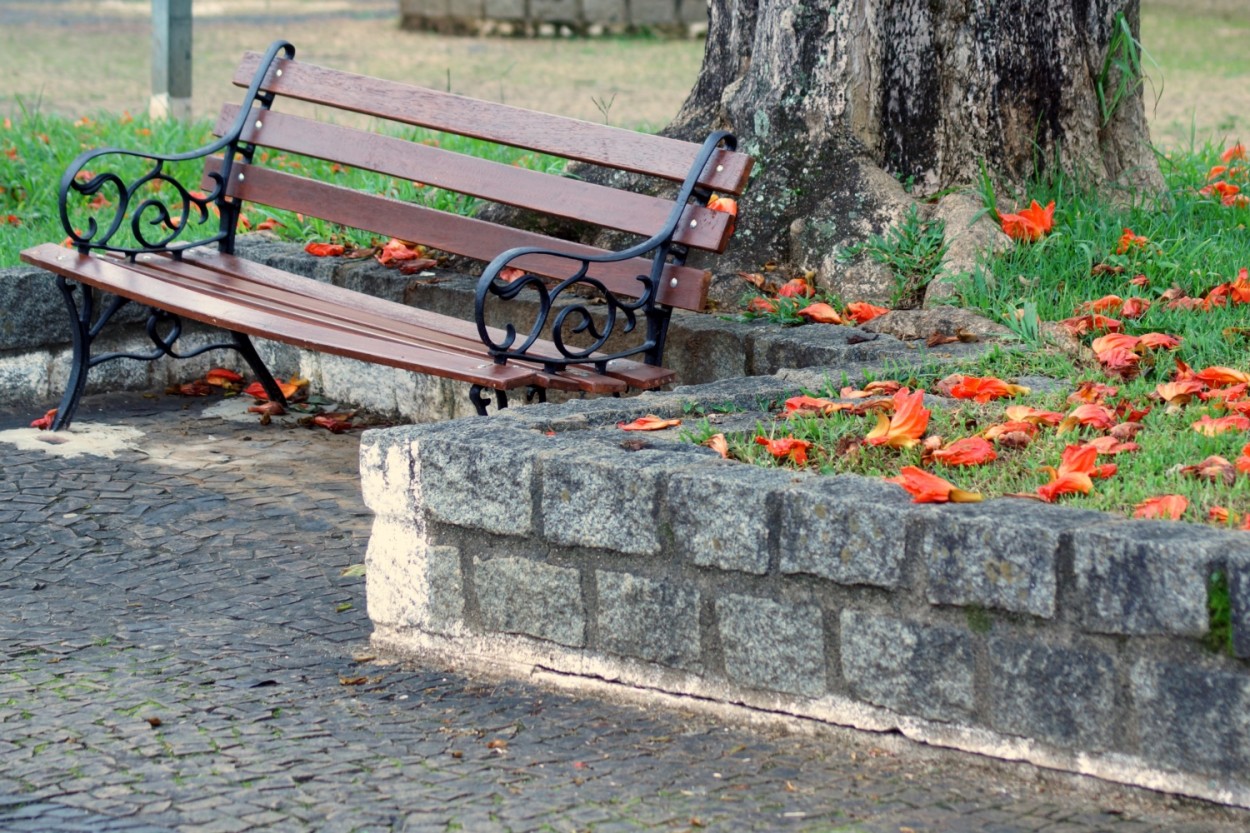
column 171, row 59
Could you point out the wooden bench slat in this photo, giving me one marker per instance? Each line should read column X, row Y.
column 635, row 374
column 137, row 285
column 266, row 288
column 581, row 140
column 699, row 228
column 453, row 233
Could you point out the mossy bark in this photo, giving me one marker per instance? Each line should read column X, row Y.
column 842, row 101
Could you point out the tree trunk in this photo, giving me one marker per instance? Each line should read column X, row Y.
column 842, row 102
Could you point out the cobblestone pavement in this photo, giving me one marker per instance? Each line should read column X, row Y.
column 181, row 652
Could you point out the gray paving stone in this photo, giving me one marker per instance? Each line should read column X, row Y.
column 236, row 645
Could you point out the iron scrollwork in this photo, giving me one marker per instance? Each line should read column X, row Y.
column 160, row 221
column 560, row 322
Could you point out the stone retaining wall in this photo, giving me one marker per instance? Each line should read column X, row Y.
column 546, row 539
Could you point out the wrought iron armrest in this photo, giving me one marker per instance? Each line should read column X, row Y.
column 576, row 317
column 159, row 220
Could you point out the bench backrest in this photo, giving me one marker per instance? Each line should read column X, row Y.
column 557, row 196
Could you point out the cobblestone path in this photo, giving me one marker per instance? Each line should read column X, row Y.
column 179, row 650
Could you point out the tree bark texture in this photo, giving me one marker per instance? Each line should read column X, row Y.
column 842, row 101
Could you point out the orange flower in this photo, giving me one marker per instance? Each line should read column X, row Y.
column 861, row 312
column 1092, row 414
column 1237, row 151
column 1113, row 341
column 1177, row 394
column 787, row 448
column 1242, row 463
column 884, row 387
column 812, row 405
column 970, row 451
column 1030, row 224
column 1215, row 469
column 1027, row 413
column 650, row 422
column 1217, row 376
column 905, row 428
column 1082, row 324
column 1076, row 466
column 1214, row 427
column 929, row 488
column 724, row 204
column 1129, row 240
column 796, row 288
column 397, row 251
column 1157, row 341
column 1106, row 303
column 289, row 389
column 1111, row 445
column 717, row 443
column 44, row 422
column 1015, row 433
column 325, row 249
column 984, row 388
column 1223, row 395
column 1134, row 307
column 1092, row 392
column 1167, row 507
column 760, row 304
column 820, row 313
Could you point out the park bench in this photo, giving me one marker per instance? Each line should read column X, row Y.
column 144, row 248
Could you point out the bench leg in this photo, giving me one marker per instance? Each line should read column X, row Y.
column 81, row 335
column 248, row 351
column 481, row 401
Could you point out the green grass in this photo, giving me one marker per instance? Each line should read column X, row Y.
column 36, row 148
column 1194, row 243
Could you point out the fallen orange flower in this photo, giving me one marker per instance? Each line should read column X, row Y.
column 1158, row 341
column 1128, row 240
column 1214, row 427
column 1082, row 324
column 906, row 426
column 1218, row 377
column 1014, row 434
column 796, row 288
column 984, row 388
column 929, row 488
column 1215, row 469
column 1237, row 151
column 397, row 251
column 1111, row 445
column 1134, row 307
column 787, row 448
column 812, row 405
column 723, row 204
column 289, row 389
column 1092, row 414
column 1031, row 224
column 335, row 423
column 266, row 225
column 719, row 444
column 760, row 304
column 223, row 378
column 1027, row 413
column 1223, row 396
column 861, row 312
column 267, row 409
column 970, row 451
column 820, row 313
column 325, row 249
column 1167, row 507
column 44, row 422
column 1180, row 393
column 1076, row 467
column 1092, row 392
column 1104, row 304
column 1113, row 341
column 650, row 422
column 884, row 387
column 1242, row 463
column 1120, row 362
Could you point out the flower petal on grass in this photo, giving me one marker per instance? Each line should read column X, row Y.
column 1091, row 414
column 820, row 313
column 1030, row 224
column 786, row 448
column 906, row 426
column 1166, row 507
column 1027, row 413
column 969, row 451
column 813, row 405
column 719, row 444
column 929, row 488
column 984, row 388
column 1210, row 427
